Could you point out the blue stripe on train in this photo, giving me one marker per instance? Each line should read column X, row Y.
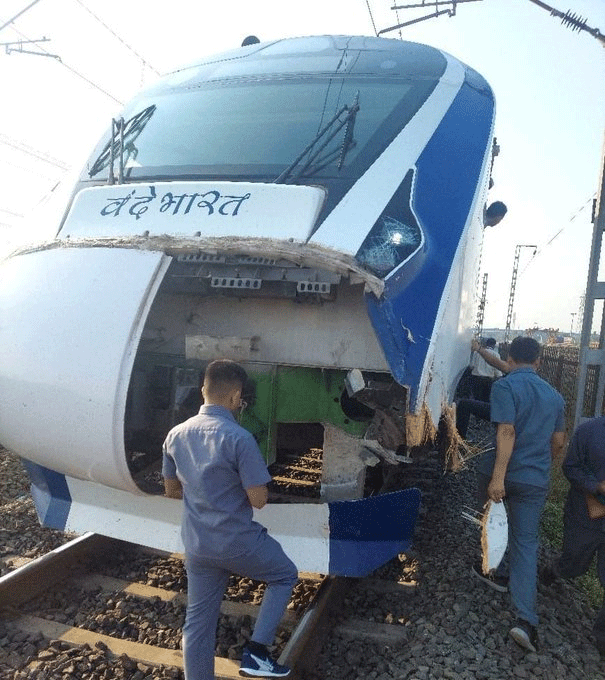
column 366, row 533
column 447, row 173
column 51, row 495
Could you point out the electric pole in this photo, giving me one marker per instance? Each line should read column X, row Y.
column 513, row 285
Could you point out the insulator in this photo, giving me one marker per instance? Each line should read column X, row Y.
column 574, row 21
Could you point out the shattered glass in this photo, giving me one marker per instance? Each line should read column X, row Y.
column 389, row 243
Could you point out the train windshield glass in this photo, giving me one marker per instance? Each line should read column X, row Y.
column 258, row 129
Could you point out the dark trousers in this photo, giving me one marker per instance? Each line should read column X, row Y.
column 467, row 407
column 583, row 538
column 481, row 387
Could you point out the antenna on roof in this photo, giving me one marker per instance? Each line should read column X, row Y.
column 250, row 40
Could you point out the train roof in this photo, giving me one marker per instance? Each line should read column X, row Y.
column 314, row 55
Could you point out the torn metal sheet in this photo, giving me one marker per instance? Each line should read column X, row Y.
column 494, row 535
column 343, row 469
column 493, row 523
column 373, row 447
column 389, row 401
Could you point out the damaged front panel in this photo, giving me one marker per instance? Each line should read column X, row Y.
column 297, row 333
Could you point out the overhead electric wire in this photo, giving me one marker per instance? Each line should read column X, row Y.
column 10, row 212
column 40, row 155
column 398, row 21
column 77, row 73
column 371, row 17
column 561, row 230
column 129, row 47
column 10, row 21
column 29, row 171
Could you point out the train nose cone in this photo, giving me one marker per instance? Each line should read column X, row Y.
column 72, row 319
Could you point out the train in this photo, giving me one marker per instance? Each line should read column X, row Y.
column 312, row 208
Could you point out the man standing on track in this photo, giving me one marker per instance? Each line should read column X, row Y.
column 529, row 414
column 217, row 468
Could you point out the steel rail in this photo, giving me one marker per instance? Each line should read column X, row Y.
column 63, row 564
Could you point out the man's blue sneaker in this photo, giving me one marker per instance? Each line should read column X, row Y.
column 261, row 666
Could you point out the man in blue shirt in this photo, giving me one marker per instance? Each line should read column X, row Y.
column 529, row 414
column 217, row 468
column 583, row 536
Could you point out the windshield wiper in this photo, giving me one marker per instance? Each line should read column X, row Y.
column 348, row 142
column 121, row 144
column 318, row 156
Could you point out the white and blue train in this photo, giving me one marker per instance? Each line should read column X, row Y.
column 312, row 208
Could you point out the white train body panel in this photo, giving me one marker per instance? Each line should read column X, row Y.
column 125, row 516
column 66, row 383
column 194, row 209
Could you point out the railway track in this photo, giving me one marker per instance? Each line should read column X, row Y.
column 96, row 605
column 75, row 619
column 295, row 475
column 67, row 601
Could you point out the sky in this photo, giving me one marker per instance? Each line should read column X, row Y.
column 549, row 84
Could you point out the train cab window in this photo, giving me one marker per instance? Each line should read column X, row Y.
column 396, row 238
column 259, row 127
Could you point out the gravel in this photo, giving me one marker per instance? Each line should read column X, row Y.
column 169, row 573
column 454, row 626
column 21, row 535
